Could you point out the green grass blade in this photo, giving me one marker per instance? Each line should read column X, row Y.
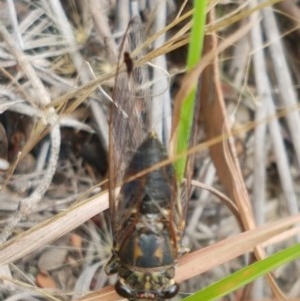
column 187, row 109
column 246, row 275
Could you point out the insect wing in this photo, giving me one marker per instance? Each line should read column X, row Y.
column 129, row 115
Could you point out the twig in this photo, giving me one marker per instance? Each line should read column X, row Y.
column 52, row 229
column 102, row 27
column 66, row 30
column 207, row 180
column 122, row 15
column 26, row 205
column 14, row 21
column 259, row 173
column 284, row 81
column 42, row 99
column 264, row 96
column 161, row 101
column 289, row 98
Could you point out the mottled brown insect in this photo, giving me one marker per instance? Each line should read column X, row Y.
column 146, row 215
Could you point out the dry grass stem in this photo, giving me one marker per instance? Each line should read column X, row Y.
column 57, row 72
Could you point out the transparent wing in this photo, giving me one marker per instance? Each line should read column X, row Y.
column 189, row 169
column 129, row 120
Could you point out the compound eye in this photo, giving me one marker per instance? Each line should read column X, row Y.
column 123, row 290
column 170, row 292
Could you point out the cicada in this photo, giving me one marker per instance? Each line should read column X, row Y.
column 146, row 213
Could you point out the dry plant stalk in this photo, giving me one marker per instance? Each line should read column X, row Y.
column 47, row 120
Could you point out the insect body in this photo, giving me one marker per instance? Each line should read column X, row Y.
column 146, row 214
column 147, row 243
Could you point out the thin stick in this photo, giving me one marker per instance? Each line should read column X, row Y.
column 49, row 117
column 288, row 97
column 26, row 205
